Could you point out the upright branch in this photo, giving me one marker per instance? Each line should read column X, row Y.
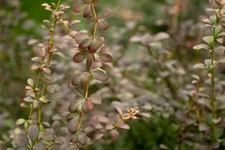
column 92, row 54
column 214, row 45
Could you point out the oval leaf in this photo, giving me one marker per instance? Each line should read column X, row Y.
column 85, row 43
column 73, row 124
column 100, row 75
column 79, row 57
column 96, row 99
column 200, row 66
column 102, row 25
column 33, row 132
column 106, row 14
column 105, row 57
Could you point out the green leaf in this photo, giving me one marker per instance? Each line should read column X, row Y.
column 161, row 36
column 20, row 121
column 218, row 29
column 220, row 40
column 203, row 127
column 221, row 60
column 30, row 82
column 199, row 66
column 208, row 39
column 216, row 120
column 201, row 46
column 213, row 19
column 220, row 50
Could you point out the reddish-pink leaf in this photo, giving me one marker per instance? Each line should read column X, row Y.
column 98, row 136
column 89, row 62
column 105, row 57
column 79, row 57
column 87, row 106
column 78, row 8
column 103, row 119
column 96, row 99
column 33, row 132
column 77, row 79
column 109, row 127
column 114, row 134
column 124, row 126
column 82, row 138
column 73, row 124
column 47, row 70
column 79, row 37
column 100, row 75
column 35, row 66
column 85, row 43
column 87, row 12
column 106, row 14
column 96, row 44
column 119, row 110
column 102, row 25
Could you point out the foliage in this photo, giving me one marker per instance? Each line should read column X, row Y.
column 84, row 91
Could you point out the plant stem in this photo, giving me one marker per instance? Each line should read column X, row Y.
column 51, row 42
column 212, row 87
column 117, row 124
column 96, row 20
column 88, row 84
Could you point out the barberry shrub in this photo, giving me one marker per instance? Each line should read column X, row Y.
column 75, row 129
column 156, row 83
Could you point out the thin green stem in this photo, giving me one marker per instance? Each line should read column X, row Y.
column 88, row 84
column 51, row 42
column 117, row 124
column 96, row 20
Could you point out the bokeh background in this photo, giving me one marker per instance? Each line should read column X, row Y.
column 21, row 20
